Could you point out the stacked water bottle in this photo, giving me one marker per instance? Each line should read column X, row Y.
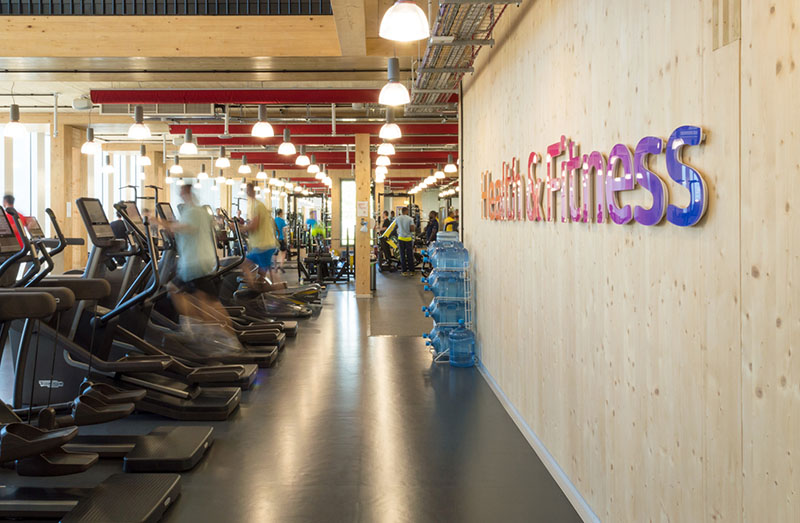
column 450, row 309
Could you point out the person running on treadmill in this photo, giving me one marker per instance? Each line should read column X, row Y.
column 192, row 290
column 261, row 238
column 405, row 229
column 280, row 226
column 8, row 203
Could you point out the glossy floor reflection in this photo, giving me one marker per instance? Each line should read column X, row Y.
column 352, row 428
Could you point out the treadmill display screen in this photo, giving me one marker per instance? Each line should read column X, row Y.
column 34, row 229
column 133, row 212
column 166, row 210
column 98, row 218
column 8, row 241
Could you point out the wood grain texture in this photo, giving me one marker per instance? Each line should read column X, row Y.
column 363, row 180
column 350, row 21
column 622, row 349
column 168, row 36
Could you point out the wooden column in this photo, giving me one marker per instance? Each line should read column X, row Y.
column 336, row 212
column 60, row 179
column 363, row 165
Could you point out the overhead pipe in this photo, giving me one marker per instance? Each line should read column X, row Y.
column 234, row 96
column 320, row 129
column 244, row 140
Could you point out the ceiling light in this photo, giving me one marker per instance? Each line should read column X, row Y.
column 138, row 131
column 244, row 168
column 288, row 186
column 381, row 169
column 144, row 160
column 229, row 181
column 222, row 162
column 169, row 179
column 220, row 178
column 297, row 188
column 321, row 175
column 261, row 175
column 13, row 128
column 262, row 128
column 383, row 160
column 302, row 160
column 394, row 93
column 386, row 149
column 198, row 185
column 430, row 180
column 313, row 168
column 142, row 175
column 439, row 175
column 450, row 167
column 287, row 147
column 327, row 181
column 90, row 147
column 390, row 130
column 423, row 185
column 404, row 22
column 458, row 188
column 379, row 177
column 176, row 167
column 108, row 168
column 188, row 146
column 215, row 187
column 202, row 175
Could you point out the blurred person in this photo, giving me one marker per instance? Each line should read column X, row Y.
column 8, row 203
column 261, row 238
column 432, row 228
column 405, row 240
column 280, row 227
column 450, row 220
column 385, row 223
column 312, row 220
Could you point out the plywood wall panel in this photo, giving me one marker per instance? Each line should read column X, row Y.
column 623, row 355
column 770, row 259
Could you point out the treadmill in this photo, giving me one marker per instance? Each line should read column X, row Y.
column 120, row 497
column 87, row 348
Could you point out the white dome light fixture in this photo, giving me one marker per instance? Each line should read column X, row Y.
column 383, row 161
column 229, row 181
column 288, row 186
column 188, row 147
column 261, row 175
column 138, row 130
column 176, row 167
column 108, row 168
column 244, row 168
column 169, row 180
column 390, row 130
column 14, row 129
column 302, row 160
column 321, row 175
column 202, row 175
column 386, row 149
column 328, row 182
column 90, row 146
column 379, row 177
column 287, row 147
column 394, row 93
column 450, row 167
column 262, row 128
column 382, row 169
column 404, row 22
column 220, row 178
column 439, row 174
column 313, row 168
column 144, row 160
column 222, row 162
column 430, row 180
column 215, row 187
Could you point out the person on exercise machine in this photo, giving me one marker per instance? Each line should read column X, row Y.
column 263, row 243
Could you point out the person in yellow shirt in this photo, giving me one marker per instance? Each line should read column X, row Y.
column 262, row 241
column 449, row 222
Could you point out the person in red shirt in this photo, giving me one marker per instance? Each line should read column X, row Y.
column 8, row 203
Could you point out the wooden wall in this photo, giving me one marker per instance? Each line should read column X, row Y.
column 656, row 364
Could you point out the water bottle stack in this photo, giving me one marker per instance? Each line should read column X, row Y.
column 451, row 338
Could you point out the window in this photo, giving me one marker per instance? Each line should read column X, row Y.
column 25, row 172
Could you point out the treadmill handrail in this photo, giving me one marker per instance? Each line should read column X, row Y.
column 239, row 241
column 62, row 241
column 154, row 284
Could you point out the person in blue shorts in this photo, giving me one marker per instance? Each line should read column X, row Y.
column 261, row 239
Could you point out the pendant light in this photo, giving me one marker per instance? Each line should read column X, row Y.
column 390, row 130
column 197, row 185
column 379, row 177
column 176, row 167
column 202, row 175
column 90, row 147
column 382, row 169
column 321, row 175
column 144, row 160
column 222, row 162
column 169, row 180
column 458, row 188
column 138, row 131
column 188, row 146
column 439, row 174
column 450, row 167
column 14, row 129
column 220, row 178
column 215, row 187
column 108, row 168
column 298, row 188
column 244, row 168
column 262, row 128
column 383, row 160
column 261, row 175
column 229, row 181
column 313, row 168
column 278, row 181
column 288, row 186
column 404, row 22
column 327, row 181
column 302, row 160
column 386, row 149
column 394, row 93
column 287, row 147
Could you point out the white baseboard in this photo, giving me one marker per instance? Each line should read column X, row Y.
column 573, row 495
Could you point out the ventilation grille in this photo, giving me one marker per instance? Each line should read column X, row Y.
column 161, row 109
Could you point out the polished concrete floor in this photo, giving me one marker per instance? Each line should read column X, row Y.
column 351, row 427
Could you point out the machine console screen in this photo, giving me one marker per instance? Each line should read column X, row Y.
column 133, row 212
column 34, row 229
column 98, row 218
column 166, row 210
column 8, row 241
